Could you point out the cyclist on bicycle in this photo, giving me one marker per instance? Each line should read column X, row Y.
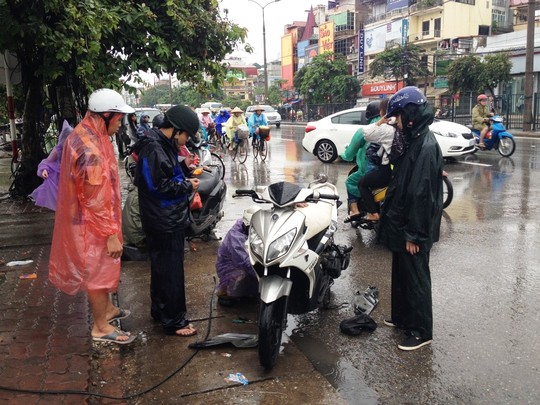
column 207, row 122
column 256, row 120
column 220, row 120
column 232, row 124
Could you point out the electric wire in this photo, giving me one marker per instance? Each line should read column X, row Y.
column 130, row 396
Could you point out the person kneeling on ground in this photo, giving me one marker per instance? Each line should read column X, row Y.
column 237, row 278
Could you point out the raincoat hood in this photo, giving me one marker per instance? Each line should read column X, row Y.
column 417, row 124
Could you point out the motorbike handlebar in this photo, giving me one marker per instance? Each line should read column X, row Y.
column 244, row 193
column 323, row 196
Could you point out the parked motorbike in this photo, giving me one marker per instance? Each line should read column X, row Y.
column 205, row 156
column 292, row 250
column 380, row 193
column 202, row 221
column 497, row 138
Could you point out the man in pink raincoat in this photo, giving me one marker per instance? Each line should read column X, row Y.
column 87, row 238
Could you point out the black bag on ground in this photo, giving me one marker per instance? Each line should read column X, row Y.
column 355, row 325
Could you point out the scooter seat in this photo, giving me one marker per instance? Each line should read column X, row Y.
column 318, row 217
column 208, row 181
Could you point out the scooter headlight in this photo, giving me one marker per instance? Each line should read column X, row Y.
column 255, row 242
column 281, row 245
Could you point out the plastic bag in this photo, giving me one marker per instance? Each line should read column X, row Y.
column 196, row 203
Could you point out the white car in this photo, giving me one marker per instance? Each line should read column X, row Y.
column 272, row 116
column 328, row 137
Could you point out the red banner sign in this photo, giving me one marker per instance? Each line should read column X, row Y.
column 376, row 89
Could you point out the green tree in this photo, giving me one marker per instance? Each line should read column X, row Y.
column 470, row 73
column 326, row 80
column 71, row 47
column 400, row 63
column 274, row 95
column 464, row 74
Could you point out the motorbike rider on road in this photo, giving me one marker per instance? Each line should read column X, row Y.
column 480, row 118
column 380, row 135
column 357, row 150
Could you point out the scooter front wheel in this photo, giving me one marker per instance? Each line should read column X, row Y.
column 507, row 146
column 272, row 321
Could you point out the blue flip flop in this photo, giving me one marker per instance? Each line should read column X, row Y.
column 113, row 337
column 124, row 313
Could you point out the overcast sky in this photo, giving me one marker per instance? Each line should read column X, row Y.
column 249, row 15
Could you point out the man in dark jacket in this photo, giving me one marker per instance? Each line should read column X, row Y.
column 164, row 204
column 411, row 215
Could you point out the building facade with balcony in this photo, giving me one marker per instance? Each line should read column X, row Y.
column 442, row 28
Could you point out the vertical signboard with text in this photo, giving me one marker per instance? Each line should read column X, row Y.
column 361, row 51
column 326, row 37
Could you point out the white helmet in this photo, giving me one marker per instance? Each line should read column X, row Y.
column 107, row 100
column 248, row 213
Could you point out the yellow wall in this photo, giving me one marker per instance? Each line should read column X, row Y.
column 457, row 20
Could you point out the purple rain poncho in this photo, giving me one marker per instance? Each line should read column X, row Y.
column 236, row 275
column 45, row 194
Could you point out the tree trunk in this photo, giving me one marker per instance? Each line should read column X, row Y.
column 26, row 180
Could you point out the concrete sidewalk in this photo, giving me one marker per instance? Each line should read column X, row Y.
column 45, row 336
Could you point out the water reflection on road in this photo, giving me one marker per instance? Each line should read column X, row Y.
column 485, row 276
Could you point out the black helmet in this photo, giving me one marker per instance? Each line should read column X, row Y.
column 157, row 122
column 373, row 110
column 183, row 118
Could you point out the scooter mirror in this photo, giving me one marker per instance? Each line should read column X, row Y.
column 323, row 178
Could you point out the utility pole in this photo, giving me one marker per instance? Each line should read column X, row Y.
column 529, row 66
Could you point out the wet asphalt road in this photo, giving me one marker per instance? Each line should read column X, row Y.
column 485, row 275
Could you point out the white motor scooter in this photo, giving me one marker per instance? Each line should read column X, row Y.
column 292, row 250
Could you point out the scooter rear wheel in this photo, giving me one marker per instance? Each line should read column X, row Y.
column 272, row 321
column 448, row 192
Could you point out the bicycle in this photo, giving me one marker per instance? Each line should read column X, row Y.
column 241, row 143
column 260, row 144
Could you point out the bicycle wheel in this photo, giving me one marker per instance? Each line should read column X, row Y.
column 241, row 151
column 217, row 162
column 263, row 149
column 255, row 145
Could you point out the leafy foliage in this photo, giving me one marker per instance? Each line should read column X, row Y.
column 399, row 63
column 72, row 47
column 470, row 73
column 326, row 80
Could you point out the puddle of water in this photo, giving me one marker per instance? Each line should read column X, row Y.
column 344, row 377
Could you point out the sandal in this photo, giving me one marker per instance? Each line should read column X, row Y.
column 351, row 218
column 482, row 146
column 124, row 313
column 113, row 337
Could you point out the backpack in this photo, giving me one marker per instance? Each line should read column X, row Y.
column 372, row 154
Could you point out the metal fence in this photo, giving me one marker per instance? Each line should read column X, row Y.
column 456, row 109
column 510, row 106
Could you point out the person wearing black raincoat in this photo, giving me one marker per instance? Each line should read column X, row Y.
column 411, row 215
column 164, row 203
